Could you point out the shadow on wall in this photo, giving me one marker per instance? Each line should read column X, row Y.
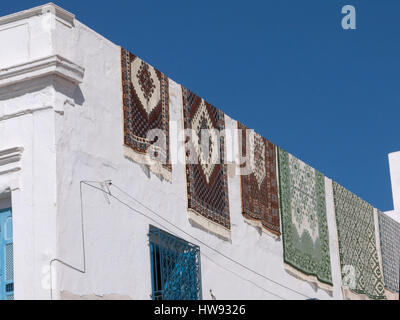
column 40, row 85
column 79, row 99
column 70, row 90
column 5, row 200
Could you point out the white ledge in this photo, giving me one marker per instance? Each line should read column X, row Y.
column 52, row 65
column 9, row 160
column 60, row 14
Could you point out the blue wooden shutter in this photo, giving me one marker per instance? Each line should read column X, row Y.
column 6, row 256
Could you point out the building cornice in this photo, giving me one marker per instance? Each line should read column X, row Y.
column 60, row 14
column 10, row 160
column 52, row 65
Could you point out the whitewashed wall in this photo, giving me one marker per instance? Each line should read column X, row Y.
column 74, row 132
column 29, row 100
column 394, row 164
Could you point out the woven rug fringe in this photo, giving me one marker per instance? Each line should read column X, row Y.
column 208, row 225
column 350, row 295
column 390, row 295
column 258, row 224
column 154, row 166
column 309, row 278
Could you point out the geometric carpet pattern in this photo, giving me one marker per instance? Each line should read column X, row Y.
column 206, row 170
column 146, row 113
column 304, row 222
column 390, row 246
column 259, row 187
column 359, row 260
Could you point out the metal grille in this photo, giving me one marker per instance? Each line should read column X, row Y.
column 175, row 264
column 9, row 262
column 10, row 287
column 6, row 256
column 8, row 229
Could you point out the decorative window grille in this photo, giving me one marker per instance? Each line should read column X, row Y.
column 6, row 256
column 175, row 267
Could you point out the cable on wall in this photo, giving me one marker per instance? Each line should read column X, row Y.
column 201, row 252
column 83, row 249
column 183, row 231
column 108, row 193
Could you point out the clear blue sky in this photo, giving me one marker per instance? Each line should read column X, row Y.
column 284, row 68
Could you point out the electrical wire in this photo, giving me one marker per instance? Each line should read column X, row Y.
column 169, row 230
column 83, row 249
column 83, row 271
column 241, row 277
column 191, row 236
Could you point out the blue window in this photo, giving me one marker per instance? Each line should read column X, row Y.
column 175, row 267
column 6, row 256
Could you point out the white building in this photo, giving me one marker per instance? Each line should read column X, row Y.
column 394, row 163
column 60, row 134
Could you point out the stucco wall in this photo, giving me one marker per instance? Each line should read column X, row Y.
column 394, row 164
column 71, row 133
column 33, row 188
column 89, row 147
column 28, row 103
